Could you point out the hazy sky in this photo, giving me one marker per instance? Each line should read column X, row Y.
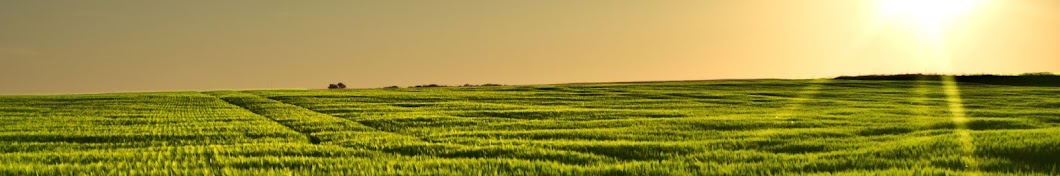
column 58, row 46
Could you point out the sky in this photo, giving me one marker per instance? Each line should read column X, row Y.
column 72, row 46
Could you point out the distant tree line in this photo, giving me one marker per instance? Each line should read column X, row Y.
column 439, row 85
column 1027, row 79
column 343, row 86
column 337, row 86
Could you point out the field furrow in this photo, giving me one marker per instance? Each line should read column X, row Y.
column 739, row 127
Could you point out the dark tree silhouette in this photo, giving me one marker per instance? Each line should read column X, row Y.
column 341, row 85
column 333, row 86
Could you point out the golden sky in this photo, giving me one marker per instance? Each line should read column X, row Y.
column 61, row 46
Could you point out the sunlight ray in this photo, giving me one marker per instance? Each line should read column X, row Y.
column 800, row 99
column 960, row 120
column 921, row 97
column 791, row 109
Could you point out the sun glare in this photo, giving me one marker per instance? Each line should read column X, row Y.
column 931, row 20
column 928, row 16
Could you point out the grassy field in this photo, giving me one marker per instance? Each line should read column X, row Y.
column 740, row 127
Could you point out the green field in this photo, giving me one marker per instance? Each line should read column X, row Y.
column 737, row 127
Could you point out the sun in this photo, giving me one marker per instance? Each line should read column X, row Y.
column 930, row 20
column 930, row 17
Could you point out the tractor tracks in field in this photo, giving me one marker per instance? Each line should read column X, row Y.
column 318, row 127
column 252, row 104
column 324, row 129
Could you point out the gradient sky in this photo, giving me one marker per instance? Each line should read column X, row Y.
column 59, row 46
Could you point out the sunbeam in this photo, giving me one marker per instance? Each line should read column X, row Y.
column 921, row 97
column 960, row 120
column 803, row 95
